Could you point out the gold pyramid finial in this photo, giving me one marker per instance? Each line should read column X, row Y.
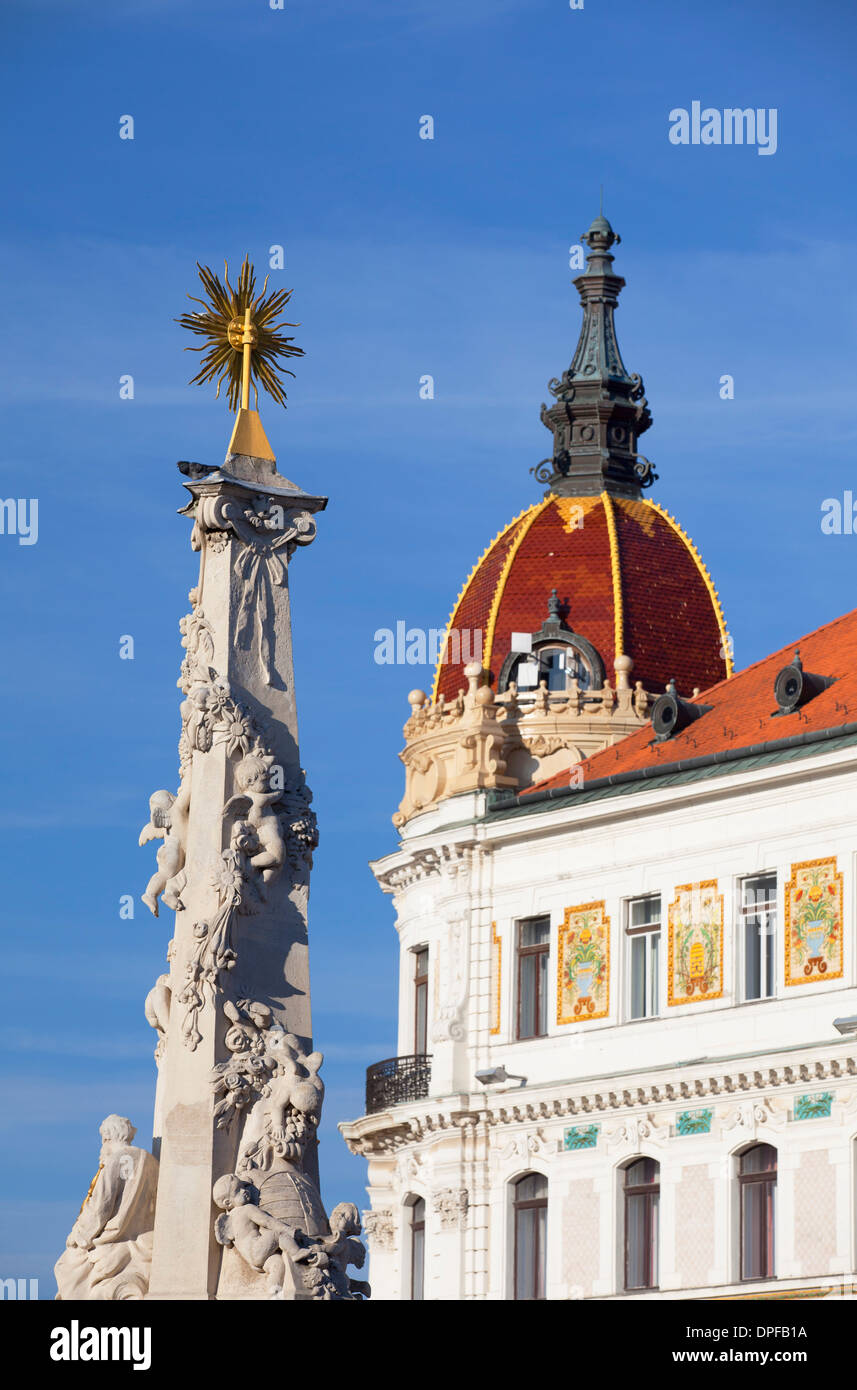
column 243, row 344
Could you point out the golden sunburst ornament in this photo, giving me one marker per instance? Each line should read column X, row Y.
column 243, row 341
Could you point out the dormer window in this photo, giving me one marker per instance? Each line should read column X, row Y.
column 554, row 656
column 556, row 666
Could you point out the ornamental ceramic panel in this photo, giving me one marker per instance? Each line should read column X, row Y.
column 813, row 1107
column 695, row 943
column 580, row 1137
column 694, row 1122
column 583, row 964
column 496, row 977
column 813, row 935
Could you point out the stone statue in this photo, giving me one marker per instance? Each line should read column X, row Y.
column 283, row 1121
column 252, row 776
column 109, row 1251
column 168, row 817
column 157, row 1010
column 294, row 1263
column 343, row 1247
column 265, row 1243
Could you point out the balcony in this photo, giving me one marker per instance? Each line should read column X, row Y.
column 397, row 1081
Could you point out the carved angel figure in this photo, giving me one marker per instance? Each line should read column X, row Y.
column 168, row 817
column 283, row 1121
column 253, row 778
column 264, row 1242
column 157, row 1009
column 343, row 1247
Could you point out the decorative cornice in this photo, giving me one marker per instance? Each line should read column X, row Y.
column 451, row 862
column 391, row 1129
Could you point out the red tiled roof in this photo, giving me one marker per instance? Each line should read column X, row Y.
column 742, row 708
column 624, row 570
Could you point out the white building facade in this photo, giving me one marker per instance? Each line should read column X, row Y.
column 627, row 1037
column 693, row 1086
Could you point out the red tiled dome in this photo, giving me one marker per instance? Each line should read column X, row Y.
column 629, row 581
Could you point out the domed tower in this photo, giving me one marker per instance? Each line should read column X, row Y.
column 583, row 607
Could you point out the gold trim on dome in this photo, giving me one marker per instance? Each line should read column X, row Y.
column 706, row 579
column 616, row 570
column 535, row 512
column 465, row 586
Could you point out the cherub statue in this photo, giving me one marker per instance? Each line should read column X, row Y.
column 157, row 1009
column 168, row 817
column 263, row 1242
column 343, row 1248
column 253, row 778
column 282, row 1124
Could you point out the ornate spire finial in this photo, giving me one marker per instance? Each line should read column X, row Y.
column 600, row 237
column 243, row 344
column 600, row 408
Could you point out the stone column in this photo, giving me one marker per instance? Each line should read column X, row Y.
column 237, row 853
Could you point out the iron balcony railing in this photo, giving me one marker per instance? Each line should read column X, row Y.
column 396, row 1081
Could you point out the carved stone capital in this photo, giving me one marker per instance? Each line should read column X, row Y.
column 451, row 1205
column 380, row 1227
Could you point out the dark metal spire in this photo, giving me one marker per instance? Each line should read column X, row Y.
column 600, row 409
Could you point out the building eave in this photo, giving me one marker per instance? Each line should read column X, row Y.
column 726, row 1079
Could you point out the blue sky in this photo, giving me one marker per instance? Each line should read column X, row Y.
column 450, row 257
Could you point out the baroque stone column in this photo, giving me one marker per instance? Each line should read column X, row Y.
column 236, row 856
column 228, row 1206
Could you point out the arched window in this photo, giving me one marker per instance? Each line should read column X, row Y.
column 418, row 1249
column 642, row 1199
column 757, row 1186
column 556, row 665
column 531, row 1220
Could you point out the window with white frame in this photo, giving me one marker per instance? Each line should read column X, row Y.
column 757, row 1190
column 642, row 1201
column 758, row 925
column 421, row 979
column 530, row 1207
column 533, row 951
column 643, row 933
